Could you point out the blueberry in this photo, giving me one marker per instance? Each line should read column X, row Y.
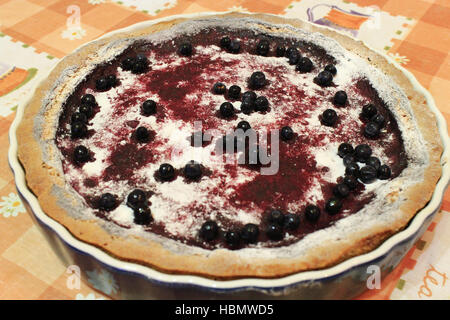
column 289, row 51
column 368, row 111
column 142, row 134
column 185, row 49
column 250, row 233
column 341, row 190
column 112, row 80
column 274, row 232
column 235, row 46
column 294, row 57
column 136, row 198
column 384, row 172
column 107, row 202
column 141, row 58
column 247, row 107
column 139, row 67
column 331, row 69
column 362, row 152
column 286, row 133
column 225, row 42
column 276, row 216
column 333, row 205
column 78, row 130
column 371, row 130
column 249, row 96
column 209, row 230
column 148, row 107
column 88, row 99
column 304, row 65
column 140, row 64
column 263, row 47
column 291, row 221
column 350, row 181
column 192, row 170
column 232, row 238
column 219, row 88
column 352, row 169
column 367, row 174
column 340, row 98
column 234, row 92
column 142, row 215
column 324, row 78
column 244, row 125
column 374, row 162
column 257, row 80
column 378, row 119
column 329, row 117
column 86, row 109
column 345, row 149
column 127, row 63
column 166, row 172
column 348, row 159
column 81, row 154
column 226, row 110
column 280, row 51
column 312, row 213
column 79, row 117
column 261, row 104
column 102, row 84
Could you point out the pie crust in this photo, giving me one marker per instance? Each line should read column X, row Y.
column 44, row 176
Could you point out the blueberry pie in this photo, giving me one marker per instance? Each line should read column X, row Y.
column 108, row 143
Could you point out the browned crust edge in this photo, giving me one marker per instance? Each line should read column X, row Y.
column 225, row 264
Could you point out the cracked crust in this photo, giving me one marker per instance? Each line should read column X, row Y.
column 223, row 264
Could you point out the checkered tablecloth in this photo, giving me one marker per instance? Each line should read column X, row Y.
column 35, row 34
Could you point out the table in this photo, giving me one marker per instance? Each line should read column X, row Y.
column 36, row 34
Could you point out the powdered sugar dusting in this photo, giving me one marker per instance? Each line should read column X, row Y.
column 171, row 203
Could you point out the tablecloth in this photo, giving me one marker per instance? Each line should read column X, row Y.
column 36, row 34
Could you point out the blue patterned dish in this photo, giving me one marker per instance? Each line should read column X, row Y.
column 125, row 280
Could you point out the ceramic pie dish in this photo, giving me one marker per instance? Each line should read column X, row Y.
column 111, row 133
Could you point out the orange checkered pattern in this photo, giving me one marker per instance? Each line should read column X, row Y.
column 40, row 23
column 28, row 267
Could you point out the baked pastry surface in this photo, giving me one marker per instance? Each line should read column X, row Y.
column 121, row 160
